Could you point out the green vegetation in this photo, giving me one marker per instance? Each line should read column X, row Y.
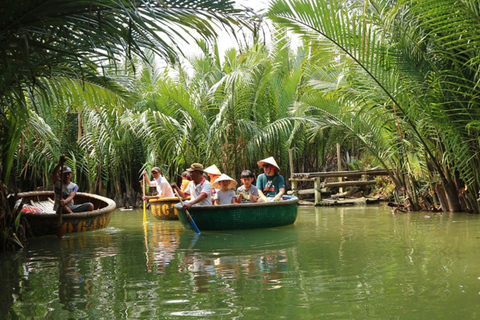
column 394, row 82
column 58, row 61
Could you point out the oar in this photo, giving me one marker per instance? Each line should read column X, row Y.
column 147, row 252
column 194, row 226
column 60, row 211
column 144, row 201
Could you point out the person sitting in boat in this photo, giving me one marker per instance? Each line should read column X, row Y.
column 225, row 193
column 247, row 192
column 164, row 190
column 213, row 173
column 270, row 184
column 199, row 189
column 65, row 190
column 186, row 178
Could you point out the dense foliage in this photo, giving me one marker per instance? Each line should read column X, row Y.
column 393, row 82
column 67, row 45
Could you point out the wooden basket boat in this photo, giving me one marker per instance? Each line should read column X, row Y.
column 46, row 222
column 241, row 216
column 163, row 209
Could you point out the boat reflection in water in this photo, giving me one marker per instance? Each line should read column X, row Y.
column 75, row 260
column 259, row 256
column 162, row 240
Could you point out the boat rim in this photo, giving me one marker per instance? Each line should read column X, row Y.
column 111, row 205
column 292, row 200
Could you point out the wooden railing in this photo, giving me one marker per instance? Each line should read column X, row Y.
column 323, row 186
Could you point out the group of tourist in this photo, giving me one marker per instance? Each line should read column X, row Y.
column 218, row 189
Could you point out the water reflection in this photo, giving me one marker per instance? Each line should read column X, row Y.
column 335, row 263
column 163, row 239
column 222, row 256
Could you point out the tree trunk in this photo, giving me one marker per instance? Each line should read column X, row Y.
column 451, row 194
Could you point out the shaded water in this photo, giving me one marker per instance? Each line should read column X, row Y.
column 333, row 263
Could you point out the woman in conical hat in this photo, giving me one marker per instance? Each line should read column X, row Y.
column 213, row 172
column 270, row 184
column 224, row 185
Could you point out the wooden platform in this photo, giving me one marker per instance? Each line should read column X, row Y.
column 349, row 201
column 322, row 187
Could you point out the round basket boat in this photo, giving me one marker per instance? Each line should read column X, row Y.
column 44, row 221
column 242, row 215
column 162, row 208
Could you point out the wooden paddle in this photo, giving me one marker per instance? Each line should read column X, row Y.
column 144, row 201
column 60, row 210
column 194, row 226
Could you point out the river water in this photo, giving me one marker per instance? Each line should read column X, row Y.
column 358, row 262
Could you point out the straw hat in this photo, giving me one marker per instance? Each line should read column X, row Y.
column 224, row 177
column 270, row 161
column 213, row 170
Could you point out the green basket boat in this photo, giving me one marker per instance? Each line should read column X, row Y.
column 241, row 216
column 45, row 221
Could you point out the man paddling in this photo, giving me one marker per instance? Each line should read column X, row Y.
column 199, row 189
column 65, row 190
column 164, row 190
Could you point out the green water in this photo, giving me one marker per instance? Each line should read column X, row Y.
column 333, row 263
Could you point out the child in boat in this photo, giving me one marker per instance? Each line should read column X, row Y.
column 224, row 195
column 247, row 192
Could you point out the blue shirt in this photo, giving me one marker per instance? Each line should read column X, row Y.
column 270, row 185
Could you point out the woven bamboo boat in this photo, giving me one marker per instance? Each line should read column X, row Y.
column 241, row 216
column 163, row 209
column 45, row 220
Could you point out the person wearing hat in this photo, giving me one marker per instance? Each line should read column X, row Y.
column 224, row 185
column 213, row 173
column 164, row 190
column 199, row 189
column 270, row 184
column 65, row 190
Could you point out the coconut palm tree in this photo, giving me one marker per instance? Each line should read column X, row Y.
column 52, row 39
column 411, row 63
column 57, row 39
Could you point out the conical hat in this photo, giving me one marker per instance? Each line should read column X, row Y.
column 213, row 170
column 270, row 161
column 224, row 177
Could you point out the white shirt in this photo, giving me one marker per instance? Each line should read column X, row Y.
column 163, row 187
column 196, row 190
column 225, row 197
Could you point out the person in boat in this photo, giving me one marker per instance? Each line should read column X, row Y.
column 186, row 178
column 65, row 190
column 270, row 184
column 213, row 173
column 225, row 193
column 164, row 190
column 199, row 189
column 247, row 192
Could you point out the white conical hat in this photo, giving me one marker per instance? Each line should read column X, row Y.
column 224, row 177
column 213, row 170
column 270, row 161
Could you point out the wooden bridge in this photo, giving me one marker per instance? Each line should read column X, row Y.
column 363, row 178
